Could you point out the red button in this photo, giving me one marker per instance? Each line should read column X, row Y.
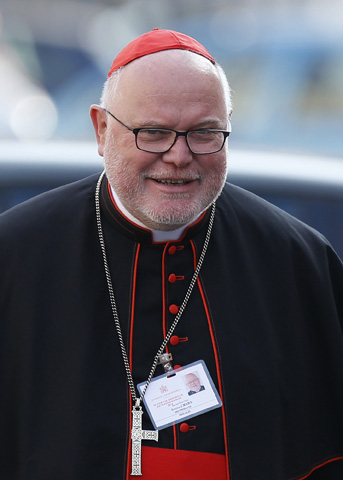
column 174, row 340
column 172, row 278
column 173, row 309
column 185, row 428
column 172, row 250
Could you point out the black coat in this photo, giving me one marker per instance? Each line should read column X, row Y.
column 266, row 317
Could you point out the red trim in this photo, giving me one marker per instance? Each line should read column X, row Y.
column 175, row 437
column 316, row 468
column 121, row 213
column 184, row 233
column 164, row 319
column 216, row 356
column 132, row 317
column 192, row 224
column 133, row 304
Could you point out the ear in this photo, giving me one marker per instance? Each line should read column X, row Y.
column 99, row 119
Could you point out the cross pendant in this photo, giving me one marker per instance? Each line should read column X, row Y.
column 137, row 435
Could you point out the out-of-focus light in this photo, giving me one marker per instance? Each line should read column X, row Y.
column 34, row 118
column 241, row 34
column 105, row 33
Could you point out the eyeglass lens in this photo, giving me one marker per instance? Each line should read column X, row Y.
column 200, row 141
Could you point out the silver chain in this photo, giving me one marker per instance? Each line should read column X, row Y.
column 137, row 401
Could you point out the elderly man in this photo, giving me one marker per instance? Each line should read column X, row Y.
column 194, row 384
column 158, row 263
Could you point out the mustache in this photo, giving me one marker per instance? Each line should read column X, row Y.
column 172, row 175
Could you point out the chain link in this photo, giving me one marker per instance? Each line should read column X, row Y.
column 137, row 401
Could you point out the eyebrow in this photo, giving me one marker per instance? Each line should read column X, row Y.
column 210, row 122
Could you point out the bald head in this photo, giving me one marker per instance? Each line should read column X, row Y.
column 165, row 68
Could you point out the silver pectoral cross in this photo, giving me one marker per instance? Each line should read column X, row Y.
column 137, row 435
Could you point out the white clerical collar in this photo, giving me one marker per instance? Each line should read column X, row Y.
column 158, row 235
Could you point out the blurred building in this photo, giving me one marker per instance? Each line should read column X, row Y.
column 284, row 60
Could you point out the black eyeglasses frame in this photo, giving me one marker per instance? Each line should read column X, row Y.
column 136, row 131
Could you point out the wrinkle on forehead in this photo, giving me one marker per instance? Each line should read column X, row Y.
column 163, row 78
column 165, row 58
column 163, row 67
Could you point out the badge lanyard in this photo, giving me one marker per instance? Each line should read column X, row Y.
column 137, row 433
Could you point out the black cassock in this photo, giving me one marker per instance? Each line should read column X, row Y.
column 265, row 316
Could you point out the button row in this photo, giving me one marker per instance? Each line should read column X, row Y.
column 175, row 339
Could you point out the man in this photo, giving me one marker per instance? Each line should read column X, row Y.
column 104, row 278
column 193, row 383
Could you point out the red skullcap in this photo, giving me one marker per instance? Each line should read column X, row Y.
column 156, row 41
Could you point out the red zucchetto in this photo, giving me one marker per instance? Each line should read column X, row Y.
column 156, row 41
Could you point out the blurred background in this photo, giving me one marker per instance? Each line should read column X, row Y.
column 283, row 58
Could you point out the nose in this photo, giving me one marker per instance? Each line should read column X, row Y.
column 179, row 154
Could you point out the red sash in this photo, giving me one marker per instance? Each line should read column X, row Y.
column 171, row 464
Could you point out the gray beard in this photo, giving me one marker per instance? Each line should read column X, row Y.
column 153, row 216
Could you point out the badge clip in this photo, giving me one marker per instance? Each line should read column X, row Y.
column 165, row 360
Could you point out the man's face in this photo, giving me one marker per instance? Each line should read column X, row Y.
column 176, row 90
column 193, row 382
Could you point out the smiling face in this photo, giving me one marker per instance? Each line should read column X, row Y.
column 193, row 382
column 173, row 89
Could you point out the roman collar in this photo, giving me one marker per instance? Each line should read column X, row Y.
column 133, row 231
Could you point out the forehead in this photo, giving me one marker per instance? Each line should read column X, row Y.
column 168, row 77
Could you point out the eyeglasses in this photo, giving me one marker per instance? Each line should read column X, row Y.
column 161, row 140
column 193, row 382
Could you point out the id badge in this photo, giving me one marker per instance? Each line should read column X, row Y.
column 180, row 394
